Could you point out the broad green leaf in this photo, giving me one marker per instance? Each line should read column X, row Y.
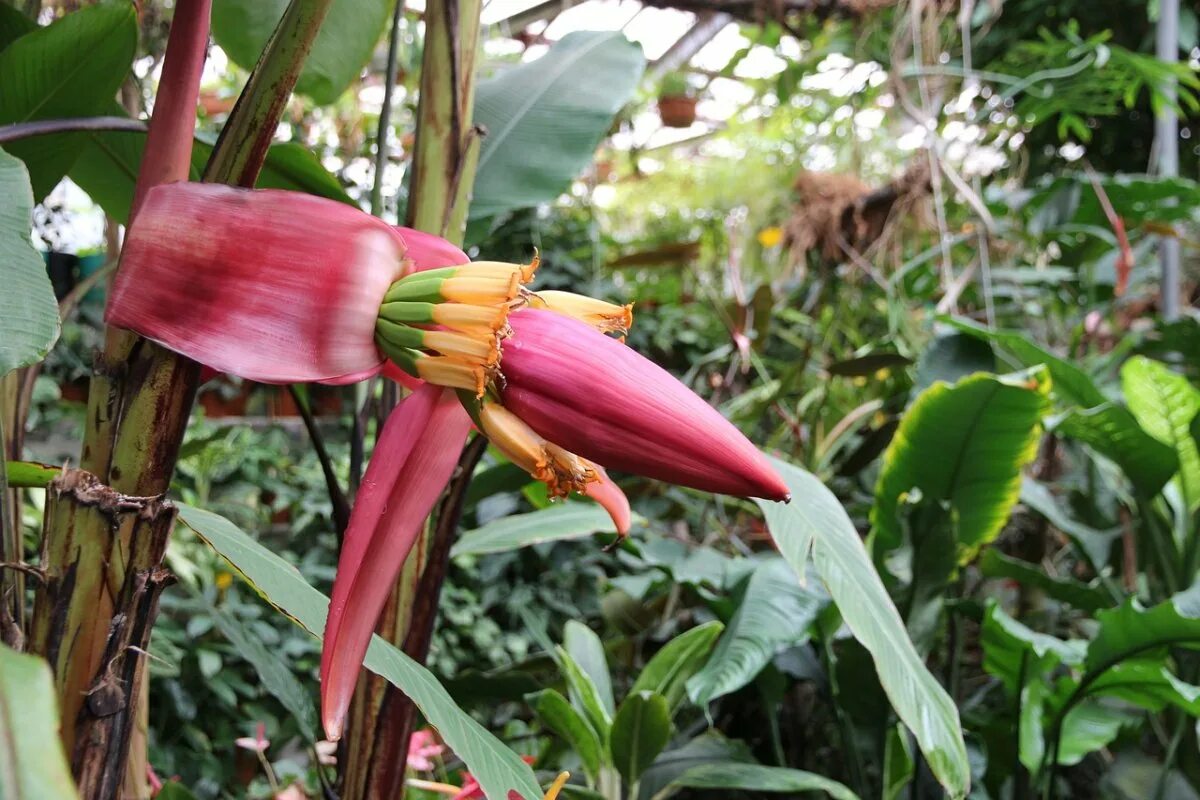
column 1088, row 727
column 1107, row 428
column 497, row 768
column 28, row 311
column 899, row 768
column 962, row 447
column 343, row 47
column 588, row 651
column 277, row 676
column 552, row 524
column 1130, row 630
column 1084, row 596
column 556, row 713
column 1025, row 661
column 1149, row 684
column 545, row 118
column 584, row 694
column 70, row 68
column 815, row 520
column 1008, row 646
column 1165, row 404
column 640, row 731
column 667, row 673
column 13, row 25
column 774, row 613
column 759, row 778
column 32, row 764
column 108, row 165
column 952, row 357
column 708, row 748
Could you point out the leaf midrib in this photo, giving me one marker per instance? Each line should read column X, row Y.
column 79, row 66
column 532, row 98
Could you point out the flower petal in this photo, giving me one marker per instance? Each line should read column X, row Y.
column 414, row 458
column 598, row 398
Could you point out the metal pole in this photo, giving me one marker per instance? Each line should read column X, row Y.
column 1166, row 139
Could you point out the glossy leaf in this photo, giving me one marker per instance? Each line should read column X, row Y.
column 640, row 731
column 773, row 613
column 1149, row 684
column 951, row 357
column 815, row 520
column 28, row 312
column 545, row 118
column 1107, row 428
column 559, row 522
column 667, row 673
column 1132, row 630
column 1165, row 404
column 899, row 768
column 498, row 769
column 708, row 748
column 70, row 68
column 583, row 693
column 32, row 764
column 1008, row 645
column 342, row 49
column 962, row 447
column 108, row 165
column 13, row 25
column 557, row 714
column 587, row 650
column 759, row 778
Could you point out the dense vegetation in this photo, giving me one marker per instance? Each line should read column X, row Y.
column 916, row 263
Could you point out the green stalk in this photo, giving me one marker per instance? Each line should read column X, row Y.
column 442, row 173
column 138, row 406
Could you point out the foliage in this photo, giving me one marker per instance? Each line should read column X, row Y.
column 28, row 309
column 32, row 756
column 985, row 581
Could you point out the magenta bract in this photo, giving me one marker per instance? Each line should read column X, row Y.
column 273, row 286
column 414, row 458
column 598, row 398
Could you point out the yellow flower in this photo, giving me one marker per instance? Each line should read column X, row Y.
column 770, row 237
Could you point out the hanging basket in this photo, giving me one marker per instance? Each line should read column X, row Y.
column 677, row 111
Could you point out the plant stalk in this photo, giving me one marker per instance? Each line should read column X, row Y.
column 441, row 175
column 138, row 406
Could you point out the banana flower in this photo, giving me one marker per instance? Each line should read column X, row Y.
column 283, row 287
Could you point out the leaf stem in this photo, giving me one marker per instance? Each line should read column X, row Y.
column 385, row 114
column 25, row 130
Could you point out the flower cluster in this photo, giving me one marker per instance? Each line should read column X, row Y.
column 283, row 287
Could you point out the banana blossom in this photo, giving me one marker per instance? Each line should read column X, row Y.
column 282, row 287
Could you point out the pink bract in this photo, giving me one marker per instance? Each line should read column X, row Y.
column 598, row 398
column 414, row 458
